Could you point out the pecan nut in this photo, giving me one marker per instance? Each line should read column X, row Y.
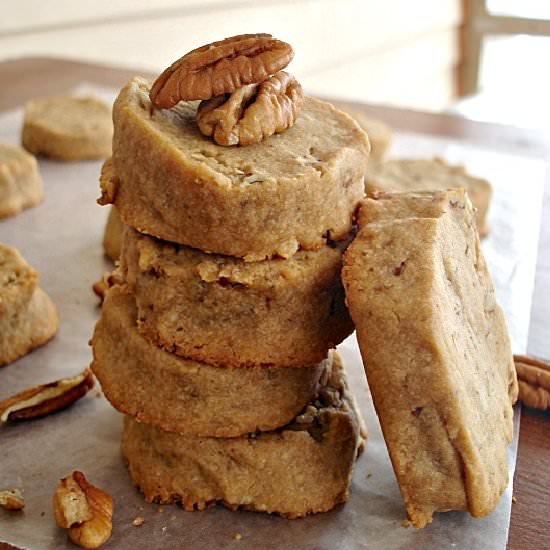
column 46, row 398
column 108, row 184
column 86, row 511
column 533, row 381
column 220, row 68
column 12, row 499
column 108, row 280
column 253, row 112
column 100, row 288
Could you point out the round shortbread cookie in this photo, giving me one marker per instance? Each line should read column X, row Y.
column 68, row 128
column 259, row 201
column 28, row 317
column 20, row 183
column 300, row 469
column 181, row 395
column 227, row 312
column 379, row 133
column 407, row 175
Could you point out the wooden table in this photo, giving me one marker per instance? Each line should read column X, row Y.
column 23, row 79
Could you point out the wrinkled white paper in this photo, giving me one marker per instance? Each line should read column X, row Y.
column 62, row 239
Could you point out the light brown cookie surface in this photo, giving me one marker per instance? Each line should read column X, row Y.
column 228, row 312
column 303, row 468
column 258, row 201
column 379, row 133
column 20, row 183
column 435, row 348
column 68, row 128
column 407, row 175
column 28, row 318
column 112, row 237
column 182, row 395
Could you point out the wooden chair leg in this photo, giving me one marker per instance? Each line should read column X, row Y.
column 474, row 10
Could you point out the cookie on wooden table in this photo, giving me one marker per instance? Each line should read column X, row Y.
column 68, row 128
column 20, row 183
column 224, row 311
column 182, row 395
column 435, row 348
column 404, row 175
column 303, row 468
column 28, row 318
column 290, row 191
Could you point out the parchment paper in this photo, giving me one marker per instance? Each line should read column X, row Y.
column 62, row 239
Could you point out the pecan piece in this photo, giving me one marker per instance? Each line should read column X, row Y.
column 12, row 499
column 108, row 184
column 253, row 112
column 86, row 511
column 100, row 288
column 46, row 398
column 108, row 280
column 533, row 381
column 220, row 68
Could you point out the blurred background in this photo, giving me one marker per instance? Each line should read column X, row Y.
column 486, row 59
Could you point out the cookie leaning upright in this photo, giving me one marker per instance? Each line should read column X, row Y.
column 435, row 349
column 20, row 183
column 258, row 201
column 68, row 128
column 28, row 318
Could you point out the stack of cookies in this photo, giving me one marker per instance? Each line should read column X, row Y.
column 216, row 341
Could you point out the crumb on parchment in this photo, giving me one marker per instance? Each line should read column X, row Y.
column 139, row 520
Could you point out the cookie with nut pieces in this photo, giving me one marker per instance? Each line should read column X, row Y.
column 227, row 312
column 435, row 348
column 20, row 182
column 191, row 396
column 68, row 128
column 380, row 134
column 409, row 175
column 302, row 468
column 168, row 180
column 28, row 317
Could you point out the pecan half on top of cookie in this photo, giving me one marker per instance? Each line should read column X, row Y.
column 253, row 112
column 220, row 68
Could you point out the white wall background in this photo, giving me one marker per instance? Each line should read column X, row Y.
column 392, row 51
